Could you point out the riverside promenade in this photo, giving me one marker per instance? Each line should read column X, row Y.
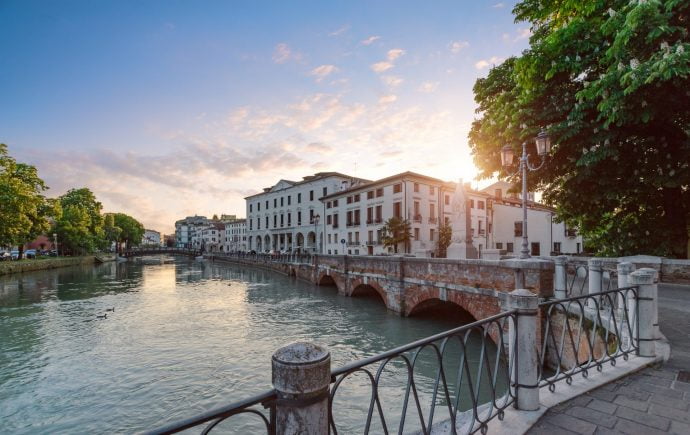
column 653, row 401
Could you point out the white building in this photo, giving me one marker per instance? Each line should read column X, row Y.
column 151, row 238
column 356, row 216
column 188, row 231
column 236, row 236
column 211, row 238
column 545, row 236
column 286, row 216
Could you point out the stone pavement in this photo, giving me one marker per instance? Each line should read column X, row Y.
column 654, row 400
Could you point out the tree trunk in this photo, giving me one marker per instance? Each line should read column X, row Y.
column 676, row 221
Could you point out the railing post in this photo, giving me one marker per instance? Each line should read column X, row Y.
column 560, row 277
column 624, row 270
column 301, row 374
column 595, row 267
column 646, row 310
column 524, row 348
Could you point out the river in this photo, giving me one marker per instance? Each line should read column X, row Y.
column 184, row 337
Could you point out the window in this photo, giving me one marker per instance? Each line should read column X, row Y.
column 357, row 237
column 328, row 204
column 446, row 200
column 370, row 215
column 349, row 237
column 370, row 194
column 498, row 193
column 311, row 216
column 479, row 227
column 416, row 233
column 266, row 204
column 299, row 198
column 251, row 224
column 509, row 247
column 250, row 208
column 311, row 195
column 431, row 234
column 379, row 192
column 557, row 247
column 335, row 203
column 275, row 221
column 518, row 229
column 281, row 201
column 356, row 198
column 328, row 220
column 335, row 221
column 289, row 198
column 578, row 247
column 370, row 237
column 356, row 217
column 535, row 248
column 349, row 218
column 329, row 236
column 432, row 212
column 349, row 200
column 432, row 190
column 397, row 209
column 275, row 202
column 258, row 223
column 397, row 188
column 499, row 245
column 325, row 191
column 416, row 187
column 379, row 214
column 258, row 206
column 471, row 203
column 281, row 220
column 266, row 222
column 299, row 217
column 480, row 205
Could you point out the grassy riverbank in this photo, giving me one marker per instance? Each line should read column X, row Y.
column 9, row 267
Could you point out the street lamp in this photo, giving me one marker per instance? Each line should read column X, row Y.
column 56, row 245
column 543, row 144
column 316, row 233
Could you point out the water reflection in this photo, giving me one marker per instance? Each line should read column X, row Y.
column 183, row 337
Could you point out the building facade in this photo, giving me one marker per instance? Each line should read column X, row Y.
column 188, row 231
column 151, row 238
column 355, row 217
column 236, row 236
column 288, row 215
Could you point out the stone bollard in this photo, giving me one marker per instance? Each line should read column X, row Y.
column 526, row 372
column 301, row 374
column 595, row 267
column 646, row 309
column 560, row 281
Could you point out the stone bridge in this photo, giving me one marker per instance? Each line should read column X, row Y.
column 137, row 252
column 407, row 285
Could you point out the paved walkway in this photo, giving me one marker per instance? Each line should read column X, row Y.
column 654, row 400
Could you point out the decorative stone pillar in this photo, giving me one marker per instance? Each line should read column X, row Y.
column 301, row 374
column 624, row 270
column 524, row 351
column 560, row 277
column 646, row 309
column 595, row 267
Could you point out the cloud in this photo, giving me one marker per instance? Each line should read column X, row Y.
column 388, row 99
column 428, row 87
column 392, row 81
column 456, row 46
column 498, row 6
column 484, row 63
column 323, row 71
column 282, row 53
column 340, row 30
column 319, row 148
column 394, row 54
column 522, row 33
column 380, row 67
column 370, row 40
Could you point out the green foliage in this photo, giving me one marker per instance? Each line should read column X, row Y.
column 610, row 80
column 112, row 232
column 24, row 211
column 445, row 234
column 131, row 229
column 80, row 228
column 396, row 231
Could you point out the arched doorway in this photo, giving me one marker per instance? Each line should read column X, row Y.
column 367, row 291
column 311, row 241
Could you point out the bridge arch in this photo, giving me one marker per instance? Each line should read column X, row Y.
column 472, row 306
column 325, row 279
column 360, row 288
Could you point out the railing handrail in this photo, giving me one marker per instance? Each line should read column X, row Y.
column 421, row 342
column 216, row 413
column 553, row 301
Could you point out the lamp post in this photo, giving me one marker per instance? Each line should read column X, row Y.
column 543, row 144
column 57, row 253
column 316, row 233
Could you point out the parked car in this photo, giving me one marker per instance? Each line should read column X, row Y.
column 53, row 253
column 5, row 256
column 30, row 253
column 15, row 254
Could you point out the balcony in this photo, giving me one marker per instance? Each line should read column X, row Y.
column 417, row 218
column 571, row 233
column 335, row 225
column 482, row 232
column 432, row 220
column 352, row 243
column 378, row 221
column 373, row 242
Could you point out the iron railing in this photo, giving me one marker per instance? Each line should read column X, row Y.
column 585, row 332
column 262, row 406
column 462, row 381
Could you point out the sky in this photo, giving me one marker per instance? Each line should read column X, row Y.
column 166, row 109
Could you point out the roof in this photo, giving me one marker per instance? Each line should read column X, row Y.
column 407, row 174
column 516, row 201
column 307, row 179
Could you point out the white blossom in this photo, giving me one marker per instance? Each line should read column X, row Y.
column 634, row 63
column 680, row 49
column 644, row 103
column 621, row 67
column 584, row 150
column 578, row 58
column 664, row 45
column 611, row 12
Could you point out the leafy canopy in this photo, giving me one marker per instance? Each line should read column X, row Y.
column 610, row 80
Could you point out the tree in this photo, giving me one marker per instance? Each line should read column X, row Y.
column 24, row 211
column 80, row 228
column 396, row 231
column 112, row 231
column 445, row 233
column 609, row 81
column 215, row 217
column 131, row 230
